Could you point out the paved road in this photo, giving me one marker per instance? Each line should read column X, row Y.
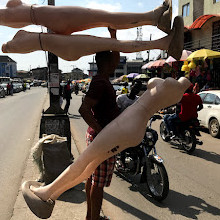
column 19, row 117
column 194, row 181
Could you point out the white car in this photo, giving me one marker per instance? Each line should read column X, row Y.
column 209, row 116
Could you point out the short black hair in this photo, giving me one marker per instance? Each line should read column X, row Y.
column 102, row 57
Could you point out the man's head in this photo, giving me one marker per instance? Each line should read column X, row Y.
column 105, row 62
column 190, row 89
column 136, row 88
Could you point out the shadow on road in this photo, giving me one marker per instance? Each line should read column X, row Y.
column 178, row 203
column 188, row 205
column 128, row 208
column 74, row 195
column 209, row 156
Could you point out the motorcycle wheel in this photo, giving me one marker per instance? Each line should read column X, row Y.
column 163, row 132
column 189, row 142
column 156, row 180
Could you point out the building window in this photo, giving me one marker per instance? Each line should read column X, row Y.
column 215, row 1
column 185, row 12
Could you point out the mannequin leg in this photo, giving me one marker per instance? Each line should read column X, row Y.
column 160, row 94
column 72, row 47
column 68, row 19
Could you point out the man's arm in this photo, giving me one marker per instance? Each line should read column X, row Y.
column 86, row 113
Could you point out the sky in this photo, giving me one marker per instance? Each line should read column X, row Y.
column 38, row 58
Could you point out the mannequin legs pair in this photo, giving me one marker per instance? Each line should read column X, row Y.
column 72, row 47
column 161, row 93
column 69, row 19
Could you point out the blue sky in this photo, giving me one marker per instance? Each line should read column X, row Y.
column 38, row 59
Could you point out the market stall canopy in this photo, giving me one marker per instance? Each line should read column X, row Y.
column 157, row 64
column 122, row 78
column 185, row 55
column 170, row 60
column 142, row 76
column 145, row 66
column 132, row 75
column 203, row 54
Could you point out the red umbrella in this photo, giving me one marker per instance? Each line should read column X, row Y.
column 156, row 64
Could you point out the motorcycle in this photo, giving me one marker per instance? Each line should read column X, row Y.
column 186, row 137
column 143, row 159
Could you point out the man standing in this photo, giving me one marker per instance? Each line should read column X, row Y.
column 67, row 95
column 98, row 109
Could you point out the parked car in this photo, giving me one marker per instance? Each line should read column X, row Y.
column 209, row 116
column 2, row 92
column 4, row 85
column 16, row 87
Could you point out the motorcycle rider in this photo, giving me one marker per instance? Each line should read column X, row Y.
column 123, row 101
column 190, row 104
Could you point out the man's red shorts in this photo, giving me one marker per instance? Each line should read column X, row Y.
column 103, row 174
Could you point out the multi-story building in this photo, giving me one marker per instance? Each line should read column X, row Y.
column 124, row 67
column 8, row 67
column 202, row 28
column 202, row 23
column 75, row 74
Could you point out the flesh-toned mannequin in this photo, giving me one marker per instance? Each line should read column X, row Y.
column 69, row 19
column 114, row 138
column 72, row 47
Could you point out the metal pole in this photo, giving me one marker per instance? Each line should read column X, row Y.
column 54, row 80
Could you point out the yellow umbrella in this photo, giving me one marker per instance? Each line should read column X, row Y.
column 192, row 65
column 203, row 54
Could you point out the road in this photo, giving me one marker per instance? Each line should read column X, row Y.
column 194, row 181
column 19, row 117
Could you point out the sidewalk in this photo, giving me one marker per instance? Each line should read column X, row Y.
column 71, row 205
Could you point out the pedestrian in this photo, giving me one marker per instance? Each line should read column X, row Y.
column 76, row 88
column 67, row 95
column 98, row 109
column 8, row 89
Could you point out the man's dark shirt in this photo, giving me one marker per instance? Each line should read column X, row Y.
column 106, row 109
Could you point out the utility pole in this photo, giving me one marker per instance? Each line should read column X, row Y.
column 149, row 50
column 54, row 80
column 54, row 120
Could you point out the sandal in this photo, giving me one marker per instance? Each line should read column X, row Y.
column 177, row 43
column 164, row 22
column 42, row 209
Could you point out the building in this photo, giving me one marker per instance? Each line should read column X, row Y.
column 75, row 74
column 40, row 73
column 202, row 28
column 124, row 67
column 8, row 67
column 202, row 24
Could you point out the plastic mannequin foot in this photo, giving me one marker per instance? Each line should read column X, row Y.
column 177, row 42
column 42, row 209
column 164, row 22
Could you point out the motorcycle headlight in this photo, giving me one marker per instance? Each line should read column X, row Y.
column 149, row 135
